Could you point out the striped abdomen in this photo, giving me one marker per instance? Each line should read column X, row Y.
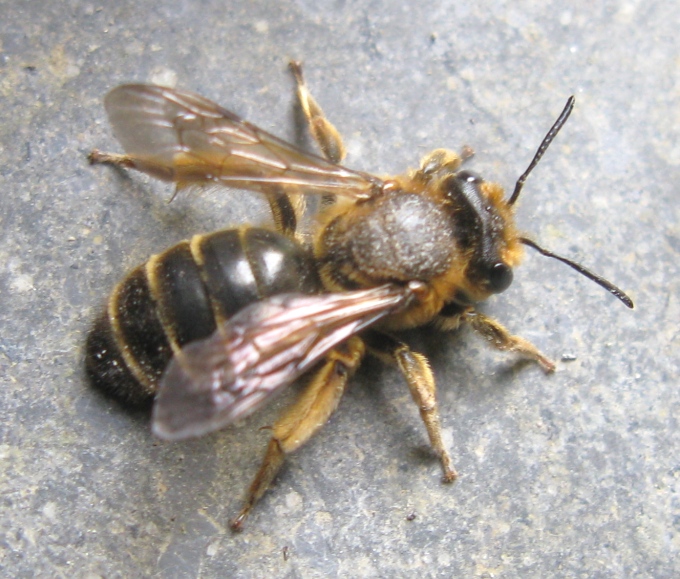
column 180, row 296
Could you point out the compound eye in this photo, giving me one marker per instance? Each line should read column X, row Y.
column 500, row 277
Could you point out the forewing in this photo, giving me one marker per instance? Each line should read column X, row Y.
column 211, row 383
column 183, row 137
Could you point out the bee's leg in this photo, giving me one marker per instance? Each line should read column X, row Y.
column 97, row 157
column 416, row 370
column 323, row 131
column 500, row 338
column 302, row 420
column 286, row 211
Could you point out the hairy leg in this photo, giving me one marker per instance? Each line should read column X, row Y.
column 305, row 418
column 416, row 370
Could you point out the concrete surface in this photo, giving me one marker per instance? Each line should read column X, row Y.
column 572, row 475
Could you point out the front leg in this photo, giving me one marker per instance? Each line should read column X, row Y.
column 499, row 337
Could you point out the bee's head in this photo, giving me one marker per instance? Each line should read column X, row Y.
column 483, row 223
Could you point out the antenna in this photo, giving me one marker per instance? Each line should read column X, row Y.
column 599, row 280
column 543, row 147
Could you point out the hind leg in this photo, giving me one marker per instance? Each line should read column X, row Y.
column 304, row 419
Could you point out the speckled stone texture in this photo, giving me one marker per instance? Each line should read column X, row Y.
column 570, row 475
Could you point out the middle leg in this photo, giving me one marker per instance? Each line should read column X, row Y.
column 325, row 134
column 418, row 374
column 288, row 209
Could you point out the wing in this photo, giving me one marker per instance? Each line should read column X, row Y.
column 182, row 137
column 213, row 382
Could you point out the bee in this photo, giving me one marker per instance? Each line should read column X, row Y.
column 214, row 327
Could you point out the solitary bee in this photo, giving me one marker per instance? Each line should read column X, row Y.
column 214, row 327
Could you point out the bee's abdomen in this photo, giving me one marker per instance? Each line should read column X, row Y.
column 181, row 295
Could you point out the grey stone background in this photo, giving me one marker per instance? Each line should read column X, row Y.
column 571, row 475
